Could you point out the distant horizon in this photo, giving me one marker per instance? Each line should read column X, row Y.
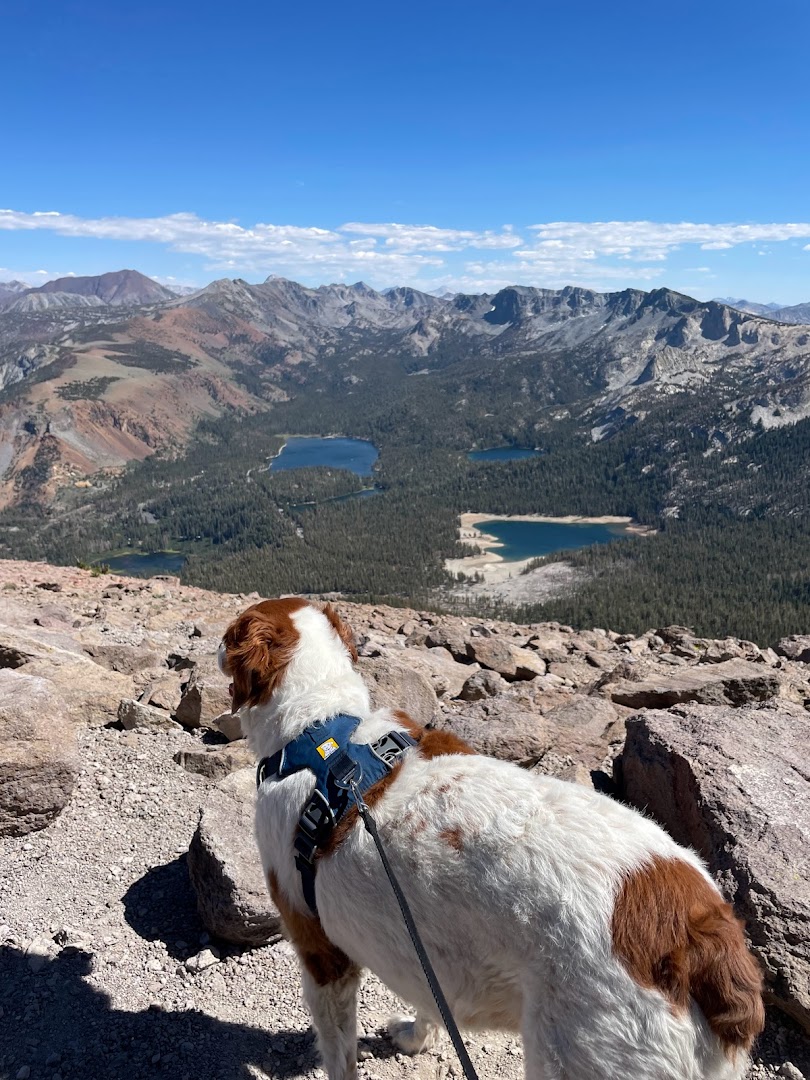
column 601, row 256
column 398, row 285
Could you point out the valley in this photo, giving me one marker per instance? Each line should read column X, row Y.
column 150, row 428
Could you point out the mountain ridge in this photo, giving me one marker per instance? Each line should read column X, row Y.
column 600, row 360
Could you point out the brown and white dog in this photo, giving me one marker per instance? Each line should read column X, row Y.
column 545, row 907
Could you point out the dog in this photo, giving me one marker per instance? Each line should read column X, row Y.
column 546, row 908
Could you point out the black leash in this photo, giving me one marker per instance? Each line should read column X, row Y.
column 427, row 967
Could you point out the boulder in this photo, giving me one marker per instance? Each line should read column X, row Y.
column 225, row 867
column 205, row 698
column 451, row 638
column 511, row 661
column 229, row 725
column 735, row 785
column 39, row 755
column 216, row 762
column 480, row 685
column 88, row 692
column 586, row 728
column 735, row 682
column 134, row 715
column 795, row 647
column 501, row 729
column 576, row 671
column 126, row 659
column 493, row 653
column 444, row 674
column 396, row 685
column 164, row 693
column 551, row 644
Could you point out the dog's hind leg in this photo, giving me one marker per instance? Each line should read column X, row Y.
column 413, row 1036
column 333, row 1006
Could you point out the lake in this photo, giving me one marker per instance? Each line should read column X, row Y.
column 531, row 539
column 503, row 453
column 356, row 455
column 148, row 564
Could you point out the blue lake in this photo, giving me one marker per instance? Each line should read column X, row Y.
column 146, row 565
column 356, row 455
column 503, row 453
column 530, row 539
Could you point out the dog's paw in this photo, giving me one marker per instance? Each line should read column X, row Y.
column 412, row 1036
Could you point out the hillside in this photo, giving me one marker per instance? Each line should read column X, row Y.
column 689, row 417
column 599, row 360
column 130, row 875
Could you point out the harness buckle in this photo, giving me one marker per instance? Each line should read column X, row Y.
column 390, row 747
column 315, row 823
column 344, row 770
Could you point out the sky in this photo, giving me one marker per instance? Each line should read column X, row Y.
column 453, row 144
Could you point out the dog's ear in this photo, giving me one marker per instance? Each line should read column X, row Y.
column 258, row 648
column 344, row 632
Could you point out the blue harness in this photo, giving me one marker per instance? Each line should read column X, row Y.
column 338, row 763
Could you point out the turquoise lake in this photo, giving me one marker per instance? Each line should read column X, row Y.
column 356, row 455
column 503, row 453
column 531, row 539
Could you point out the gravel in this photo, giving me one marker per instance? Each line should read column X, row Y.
column 107, row 971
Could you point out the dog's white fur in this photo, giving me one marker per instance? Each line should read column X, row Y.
column 517, row 922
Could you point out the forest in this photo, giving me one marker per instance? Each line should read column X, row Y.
column 730, row 555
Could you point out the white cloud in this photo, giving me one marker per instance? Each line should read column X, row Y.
column 596, row 254
column 650, row 240
column 432, row 238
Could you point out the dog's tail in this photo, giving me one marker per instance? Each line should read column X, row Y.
column 673, row 932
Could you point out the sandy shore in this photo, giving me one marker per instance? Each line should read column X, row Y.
column 492, row 566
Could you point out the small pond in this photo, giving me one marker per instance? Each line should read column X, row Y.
column 356, row 455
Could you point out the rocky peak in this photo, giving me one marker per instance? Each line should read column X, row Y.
column 121, row 288
column 120, row 677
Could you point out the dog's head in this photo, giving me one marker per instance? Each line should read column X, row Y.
column 264, row 642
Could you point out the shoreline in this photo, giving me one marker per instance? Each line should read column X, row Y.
column 494, row 567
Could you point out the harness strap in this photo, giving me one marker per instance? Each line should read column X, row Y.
column 339, row 764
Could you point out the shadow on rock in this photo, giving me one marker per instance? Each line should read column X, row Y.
column 55, row 1021
column 162, row 906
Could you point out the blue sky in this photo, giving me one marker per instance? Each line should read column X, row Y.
column 445, row 144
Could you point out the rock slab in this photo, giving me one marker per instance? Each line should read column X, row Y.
column 735, row 785
column 225, row 867
column 39, row 756
column 734, row 682
column 394, row 685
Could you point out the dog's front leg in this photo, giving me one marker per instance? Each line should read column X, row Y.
column 333, row 1006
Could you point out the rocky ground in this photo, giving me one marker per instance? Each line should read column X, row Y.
column 136, row 937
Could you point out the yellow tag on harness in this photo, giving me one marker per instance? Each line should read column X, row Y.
column 326, row 749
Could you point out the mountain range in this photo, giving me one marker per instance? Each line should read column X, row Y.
column 95, row 372
column 796, row 313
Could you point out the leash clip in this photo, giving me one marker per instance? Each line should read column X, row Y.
column 344, row 771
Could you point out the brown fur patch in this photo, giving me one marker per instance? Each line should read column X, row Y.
column 674, row 933
column 453, row 838
column 432, row 743
column 344, row 632
column 324, row 961
column 259, row 645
